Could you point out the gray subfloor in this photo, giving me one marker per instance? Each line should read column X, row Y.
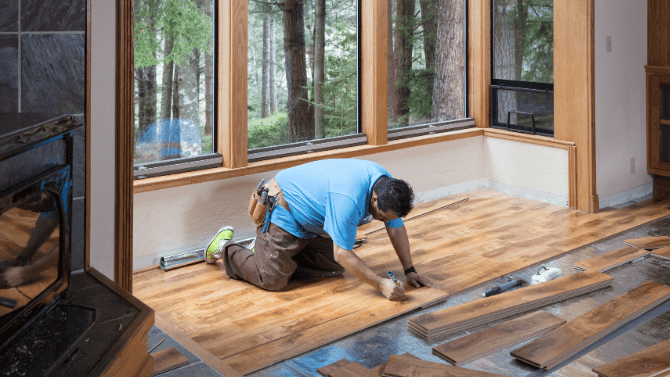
column 373, row 346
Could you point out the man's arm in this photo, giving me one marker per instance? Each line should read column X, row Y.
column 355, row 266
column 400, row 244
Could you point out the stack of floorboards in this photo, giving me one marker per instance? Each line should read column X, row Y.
column 649, row 242
column 492, row 339
column 438, row 324
column 651, row 361
column 556, row 346
column 611, row 259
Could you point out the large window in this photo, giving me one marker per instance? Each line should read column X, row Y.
column 427, row 62
column 302, row 73
column 522, row 97
column 174, row 82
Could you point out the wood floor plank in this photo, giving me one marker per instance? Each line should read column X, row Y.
column 607, row 261
column 327, row 369
column 460, row 247
column 648, row 362
column 471, row 314
column 352, row 369
column 379, row 369
column 555, row 346
column 649, row 242
column 663, row 253
column 484, row 342
column 167, row 359
column 400, row 366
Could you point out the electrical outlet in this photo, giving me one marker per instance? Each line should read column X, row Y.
column 632, row 165
column 609, row 43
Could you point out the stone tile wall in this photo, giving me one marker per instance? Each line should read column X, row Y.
column 43, row 60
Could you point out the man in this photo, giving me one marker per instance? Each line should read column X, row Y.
column 312, row 232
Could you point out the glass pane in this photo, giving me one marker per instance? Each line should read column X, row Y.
column 29, row 251
column 174, row 73
column 302, row 82
column 664, row 90
column 426, row 52
column 523, row 40
column 523, row 107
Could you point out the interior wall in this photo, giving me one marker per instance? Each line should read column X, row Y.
column 103, row 83
column 620, row 101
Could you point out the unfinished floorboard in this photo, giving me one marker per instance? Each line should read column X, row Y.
column 461, row 247
column 649, row 242
column 379, row 369
column 557, row 345
column 609, row 260
column 648, row 362
column 352, row 369
column 448, row 321
column 327, row 369
column 400, row 366
column 663, row 253
column 167, row 359
column 484, row 342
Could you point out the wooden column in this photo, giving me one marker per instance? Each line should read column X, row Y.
column 479, row 62
column 232, row 136
column 574, row 92
column 658, row 32
column 123, row 216
column 374, row 73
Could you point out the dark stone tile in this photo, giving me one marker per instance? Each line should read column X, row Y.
column 110, row 305
column 79, row 163
column 81, row 280
column 9, row 15
column 9, row 74
column 78, row 234
column 53, row 73
column 53, row 15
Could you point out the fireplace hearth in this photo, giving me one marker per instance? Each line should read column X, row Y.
column 53, row 321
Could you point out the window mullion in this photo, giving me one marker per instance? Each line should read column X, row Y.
column 374, row 70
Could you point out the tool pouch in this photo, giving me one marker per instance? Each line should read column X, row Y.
column 257, row 211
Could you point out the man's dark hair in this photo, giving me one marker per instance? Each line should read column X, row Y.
column 394, row 194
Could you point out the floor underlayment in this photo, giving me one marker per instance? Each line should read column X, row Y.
column 462, row 247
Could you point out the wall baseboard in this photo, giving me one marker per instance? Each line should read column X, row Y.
column 627, row 196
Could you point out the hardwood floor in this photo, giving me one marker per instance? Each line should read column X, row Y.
column 461, row 247
column 651, row 361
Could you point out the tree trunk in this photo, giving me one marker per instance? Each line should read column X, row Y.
column 504, row 61
column 273, row 68
column 209, row 78
column 299, row 125
column 189, row 88
column 265, row 95
column 141, row 97
column 175, row 93
column 319, row 67
column 519, row 37
column 402, row 58
column 449, row 84
column 146, row 96
column 168, row 74
column 429, row 23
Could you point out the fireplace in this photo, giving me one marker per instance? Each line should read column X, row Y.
column 53, row 321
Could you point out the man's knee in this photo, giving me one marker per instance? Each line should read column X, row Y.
column 273, row 282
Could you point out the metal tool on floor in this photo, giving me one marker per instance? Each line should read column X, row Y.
column 545, row 274
column 504, row 287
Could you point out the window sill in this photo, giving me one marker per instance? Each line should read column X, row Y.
column 528, row 138
column 201, row 176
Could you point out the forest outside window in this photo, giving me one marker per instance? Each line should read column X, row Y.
column 302, row 76
column 174, row 86
column 522, row 90
column 427, row 64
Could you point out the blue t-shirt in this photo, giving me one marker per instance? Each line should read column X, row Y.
column 328, row 196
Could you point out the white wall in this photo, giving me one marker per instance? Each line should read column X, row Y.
column 103, row 42
column 620, row 100
column 184, row 218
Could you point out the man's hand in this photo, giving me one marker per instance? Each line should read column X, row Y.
column 416, row 280
column 391, row 290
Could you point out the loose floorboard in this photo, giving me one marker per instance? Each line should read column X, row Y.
column 649, row 242
column 663, row 253
column 559, row 344
column 467, row 348
column 461, row 247
column 353, row 369
column 611, row 259
column 166, row 360
column 400, row 366
column 648, row 362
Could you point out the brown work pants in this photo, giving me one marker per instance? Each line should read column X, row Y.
column 278, row 257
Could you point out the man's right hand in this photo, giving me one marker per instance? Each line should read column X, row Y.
column 391, row 290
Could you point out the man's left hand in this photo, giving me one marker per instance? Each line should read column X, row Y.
column 416, row 280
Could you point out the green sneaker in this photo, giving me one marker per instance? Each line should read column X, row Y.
column 212, row 253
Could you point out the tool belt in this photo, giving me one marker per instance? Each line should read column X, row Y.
column 262, row 202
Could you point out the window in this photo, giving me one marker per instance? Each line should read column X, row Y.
column 174, row 85
column 427, row 62
column 522, row 90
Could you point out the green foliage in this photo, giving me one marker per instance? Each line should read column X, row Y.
column 188, row 26
column 268, row 132
column 538, row 52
